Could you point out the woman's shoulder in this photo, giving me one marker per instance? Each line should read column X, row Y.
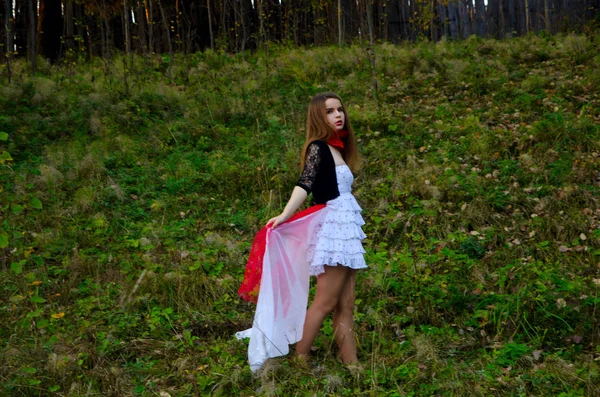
column 317, row 144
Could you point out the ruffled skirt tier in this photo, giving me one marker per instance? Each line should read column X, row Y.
column 337, row 240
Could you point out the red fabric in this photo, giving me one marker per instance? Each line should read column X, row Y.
column 336, row 141
column 251, row 283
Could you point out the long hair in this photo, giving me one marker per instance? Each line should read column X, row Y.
column 317, row 129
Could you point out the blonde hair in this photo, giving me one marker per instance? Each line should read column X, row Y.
column 317, row 129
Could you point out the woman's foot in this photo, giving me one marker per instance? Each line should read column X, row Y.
column 301, row 361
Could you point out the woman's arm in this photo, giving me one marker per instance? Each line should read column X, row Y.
column 298, row 197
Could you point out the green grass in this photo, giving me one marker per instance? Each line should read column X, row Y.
column 127, row 212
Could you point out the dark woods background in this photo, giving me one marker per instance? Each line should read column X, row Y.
column 53, row 28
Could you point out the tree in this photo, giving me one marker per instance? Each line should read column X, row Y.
column 480, row 17
column 32, row 42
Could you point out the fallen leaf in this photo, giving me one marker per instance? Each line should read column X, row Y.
column 58, row 315
column 563, row 248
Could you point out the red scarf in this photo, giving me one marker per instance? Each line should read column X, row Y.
column 336, row 141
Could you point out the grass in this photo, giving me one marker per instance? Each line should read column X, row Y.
column 128, row 204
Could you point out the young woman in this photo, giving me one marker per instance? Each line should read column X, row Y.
column 324, row 241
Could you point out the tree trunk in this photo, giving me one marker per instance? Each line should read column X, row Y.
column 442, row 11
column 125, row 18
column 512, row 17
column 261, row 20
column 106, row 33
column 432, row 28
column 471, row 16
column 501, row 21
column 69, row 27
column 465, row 23
column 168, row 35
column 141, row 27
column 210, row 28
column 20, row 25
column 547, row 25
column 453, row 18
column 80, row 27
column 339, row 22
column 480, row 17
column 150, row 24
column 245, row 11
column 31, row 46
column 9, row 30
column 372, row 51
column 527, row 25
column 2, row 31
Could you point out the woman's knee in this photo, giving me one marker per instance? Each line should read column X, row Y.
column 326, row 306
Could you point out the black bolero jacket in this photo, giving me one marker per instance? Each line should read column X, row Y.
column 319, row 175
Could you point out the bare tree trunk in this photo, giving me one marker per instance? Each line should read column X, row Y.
column 415, row 29
column 471, row 12
column 168, row 32
column 31, row 46
column 339, row 21
column 69, row 27
column 80, row 28
column 512, row 17
column 480, row 17
column 126, row 27
column 547, row 25
column 372, row 51
column 210, row 28
column 443, row 19
column 465, row 22
column 526, row 16
column 150, row 23
column 141, row 31
column 502, row 18
column 261, row 22
column 453, row 18
column 244, row 11
column 236, row 25
column 106, row 50
column 9, row 39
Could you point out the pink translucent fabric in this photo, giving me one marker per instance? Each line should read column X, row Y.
column 251, row 282
column 284, row 284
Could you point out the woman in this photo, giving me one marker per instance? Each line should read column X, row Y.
column 324, row 241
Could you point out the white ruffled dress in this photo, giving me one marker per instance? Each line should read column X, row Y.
column 338, row 239
column 290, row 258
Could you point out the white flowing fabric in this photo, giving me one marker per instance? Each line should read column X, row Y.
column 283, row 297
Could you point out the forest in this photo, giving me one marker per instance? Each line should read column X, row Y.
column 55, row 28
column 143, row 145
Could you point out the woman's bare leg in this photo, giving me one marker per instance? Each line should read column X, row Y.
column 329, row 287
column 343, row 321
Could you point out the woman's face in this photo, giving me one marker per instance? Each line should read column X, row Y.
column 336, row 117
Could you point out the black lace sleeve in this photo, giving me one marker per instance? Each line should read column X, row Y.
column 311, row 167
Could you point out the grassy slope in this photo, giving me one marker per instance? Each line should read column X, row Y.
column 480, row 190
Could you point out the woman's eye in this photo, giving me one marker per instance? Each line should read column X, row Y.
column 329, row 111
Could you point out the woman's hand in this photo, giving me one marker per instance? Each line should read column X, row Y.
column 298, row 197
column 276, row 221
